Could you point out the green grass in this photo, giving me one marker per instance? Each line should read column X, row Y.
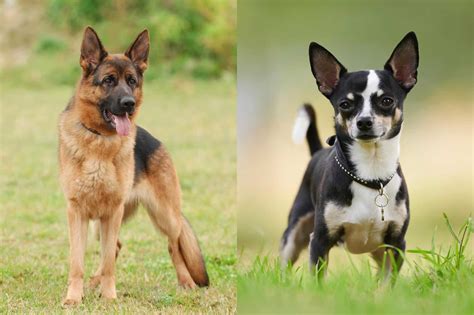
column 432, row 281
column 196, row 121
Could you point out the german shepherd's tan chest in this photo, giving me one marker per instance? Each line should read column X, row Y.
column 96, row 172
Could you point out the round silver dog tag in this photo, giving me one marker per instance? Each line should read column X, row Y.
column 381, row 200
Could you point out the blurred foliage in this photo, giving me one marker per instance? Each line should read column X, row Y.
column 188, row 37
column 49, row 44
column 74, row 13
column 197, row 36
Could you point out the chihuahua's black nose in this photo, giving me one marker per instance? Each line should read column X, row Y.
column 127, row 103
column 364, row 123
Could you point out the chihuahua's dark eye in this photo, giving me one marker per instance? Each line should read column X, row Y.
column 132, row 81
column 345, row 105
column 386, row 102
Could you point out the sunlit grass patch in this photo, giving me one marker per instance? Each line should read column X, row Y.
column 435, row 280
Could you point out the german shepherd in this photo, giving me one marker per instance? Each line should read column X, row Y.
column 108, row 165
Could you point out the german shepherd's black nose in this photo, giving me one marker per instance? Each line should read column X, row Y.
column 127, row 103
column 364, row 123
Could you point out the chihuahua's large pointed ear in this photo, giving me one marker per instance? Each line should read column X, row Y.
column 138, row 51
column 403, row 63
column 327, row 70
column 92, row 51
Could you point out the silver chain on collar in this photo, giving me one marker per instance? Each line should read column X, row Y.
column 381, row 199
column 355, row 177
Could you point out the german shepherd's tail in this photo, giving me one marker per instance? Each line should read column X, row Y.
column 305, row 126
column 189, row 248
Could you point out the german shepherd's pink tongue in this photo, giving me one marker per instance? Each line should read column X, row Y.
column 122, row 124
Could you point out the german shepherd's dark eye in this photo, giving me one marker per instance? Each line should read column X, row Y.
column 108, row 80
column 345, row 106
column 132, row 81
column 386, row 102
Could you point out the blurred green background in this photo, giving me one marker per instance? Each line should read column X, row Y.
column 40, row 38
column 274, row 79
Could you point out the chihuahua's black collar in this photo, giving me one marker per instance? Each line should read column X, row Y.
column 341, row 161
column 91, row 130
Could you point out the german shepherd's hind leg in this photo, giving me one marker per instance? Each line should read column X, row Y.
column 182, row 243
column 184, row 277
column 129, row 209
column 161, row 196
column 300, row 224
column 78, row 226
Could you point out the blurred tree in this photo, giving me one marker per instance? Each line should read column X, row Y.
column 191, row 36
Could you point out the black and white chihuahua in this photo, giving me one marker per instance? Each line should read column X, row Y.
column 354, row 192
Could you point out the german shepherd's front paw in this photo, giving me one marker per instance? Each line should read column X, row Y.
column 109, row 296
column 187, row 283
column 107, row 288
column 74, row 293
column 94, row 282
column 68, row 302
column 71, row 300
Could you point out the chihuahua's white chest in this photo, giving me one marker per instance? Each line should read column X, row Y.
column 362, row 222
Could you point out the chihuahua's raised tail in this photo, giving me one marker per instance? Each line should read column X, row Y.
column 305, row 126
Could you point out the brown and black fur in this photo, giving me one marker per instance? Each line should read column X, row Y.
column 105, row 176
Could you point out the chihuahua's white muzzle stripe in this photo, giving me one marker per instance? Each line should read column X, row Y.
column 372, row 87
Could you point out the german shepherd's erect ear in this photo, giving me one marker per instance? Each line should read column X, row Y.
column 92, row 51
column 138, row 51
